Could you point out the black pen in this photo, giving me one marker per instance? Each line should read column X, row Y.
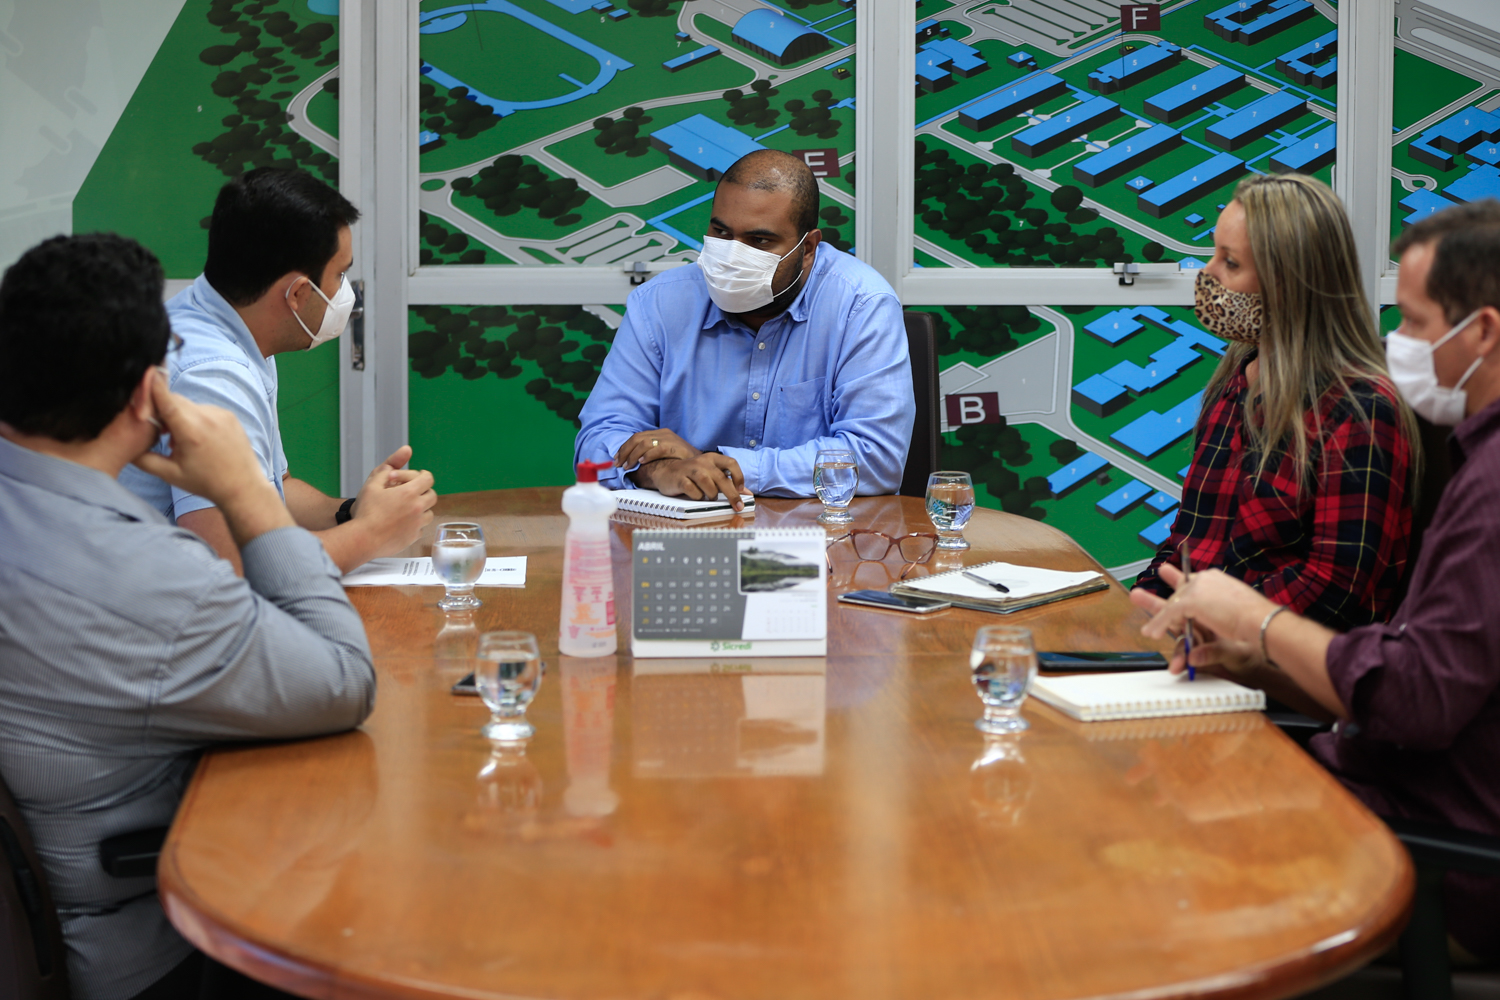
column 988, row 583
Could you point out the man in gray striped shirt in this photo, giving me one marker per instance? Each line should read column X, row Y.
column 126, row 644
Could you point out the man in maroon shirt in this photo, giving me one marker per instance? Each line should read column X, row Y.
column 1417, row 700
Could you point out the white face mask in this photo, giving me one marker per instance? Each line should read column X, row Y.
column 1415, row 374
column 739, row 276
column 335, row 317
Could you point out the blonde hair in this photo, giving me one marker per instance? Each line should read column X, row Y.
column 1318, row 334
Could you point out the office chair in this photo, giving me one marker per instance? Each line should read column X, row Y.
column 922, row 456
column 33, row 961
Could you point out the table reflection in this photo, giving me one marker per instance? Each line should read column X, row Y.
column 713, row 718
column 1000, row 781
column 588, row 698
column 509, row 792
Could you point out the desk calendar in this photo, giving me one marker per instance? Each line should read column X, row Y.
column 743, row 591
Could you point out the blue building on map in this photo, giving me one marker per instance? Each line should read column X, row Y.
column 1252, row 21
column 1439, row 146
column 942, row 59
column 1100, row 395
column 1256, row 119
column 1193, row 94
column 703, row 147
column 692, row 58
column 1072, row 475
column 1132, row 68
column 1065, row 126
column 1312, row 153
column 1190, row 185
column 1126, row 155
column 1314, row 64
column 991, row 110
column 1105, row 393
column 777, row 37
column 1123, row 500
column 1150, row 434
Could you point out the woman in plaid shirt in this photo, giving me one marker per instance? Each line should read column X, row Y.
column 1301, row 481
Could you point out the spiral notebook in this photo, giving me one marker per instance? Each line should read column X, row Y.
column 1029, row 586
column 681, row 508
column 729, row 592
column 1144, row 695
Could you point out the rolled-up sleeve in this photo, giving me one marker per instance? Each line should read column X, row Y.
column 872, row 410
column 280, row 653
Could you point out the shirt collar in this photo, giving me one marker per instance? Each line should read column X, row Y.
column 801, row 306
column 228, row 318
column 1475, row 430
column 70, row 479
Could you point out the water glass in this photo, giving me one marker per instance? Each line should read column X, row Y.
column 458, row 558
column 950, row 504
column 835, row 475
column 1003, row 662
column 508, row 674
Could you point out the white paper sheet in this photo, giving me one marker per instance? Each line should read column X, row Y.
column 499, row 571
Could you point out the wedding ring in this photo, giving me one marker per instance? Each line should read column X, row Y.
column 654, row 442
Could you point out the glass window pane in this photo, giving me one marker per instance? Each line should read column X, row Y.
column 592, row 132
column 495, row 391
column 1446, row 112
column 1047, row 139
column 1082, row 416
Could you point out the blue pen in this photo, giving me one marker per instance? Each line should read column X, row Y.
column 1187, row 625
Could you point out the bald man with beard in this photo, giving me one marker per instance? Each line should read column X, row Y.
column 729, row 376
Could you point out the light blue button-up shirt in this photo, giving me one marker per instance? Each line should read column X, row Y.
column 219, row 364
column 832, row 371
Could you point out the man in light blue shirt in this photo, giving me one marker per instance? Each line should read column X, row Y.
column 732, row 374
column 279, row 244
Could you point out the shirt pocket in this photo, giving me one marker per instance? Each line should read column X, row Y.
column 798, row 413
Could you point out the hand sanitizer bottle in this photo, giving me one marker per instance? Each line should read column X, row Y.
column 588, row 589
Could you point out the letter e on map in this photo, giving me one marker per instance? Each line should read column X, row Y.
column 973, row 408
column 1140, row 17
column 824, row 162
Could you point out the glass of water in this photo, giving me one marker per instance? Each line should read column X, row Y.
column 950, row 504
column 835, row 475
column 1003, row 662
column 458, row 557
column 508, row 675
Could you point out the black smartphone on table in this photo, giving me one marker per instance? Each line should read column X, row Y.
column 894, row 602
column 1077, row 662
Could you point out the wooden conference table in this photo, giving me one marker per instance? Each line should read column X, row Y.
column 774, row 830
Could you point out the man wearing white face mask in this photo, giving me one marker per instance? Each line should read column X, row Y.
column 279, row 247
column 1418, row 699
column 729, row 376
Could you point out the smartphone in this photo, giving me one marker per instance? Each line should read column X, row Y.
column 894, row 602
column 465, row 686
column 1075, row 661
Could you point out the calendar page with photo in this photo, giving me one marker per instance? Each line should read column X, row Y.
column 748, row 591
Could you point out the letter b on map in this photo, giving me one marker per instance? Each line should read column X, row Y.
column 974, row 408
column 1140, row 17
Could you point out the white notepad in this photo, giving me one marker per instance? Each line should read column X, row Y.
column 1027, row 586
column 499, row 571
column 681, row 508
column 1145, row 694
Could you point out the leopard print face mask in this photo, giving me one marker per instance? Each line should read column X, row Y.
column 1230, row 314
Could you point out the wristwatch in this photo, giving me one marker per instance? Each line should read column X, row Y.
column 346, row 512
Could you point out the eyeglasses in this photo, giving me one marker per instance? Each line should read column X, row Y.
column 874, row 546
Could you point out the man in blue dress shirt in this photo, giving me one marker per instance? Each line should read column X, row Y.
column 731, row 375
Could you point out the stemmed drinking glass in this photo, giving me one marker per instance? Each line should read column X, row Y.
column 458, row 558
column 1003, row 662
column 950, row 504
column 835, row 475
column 508, row 675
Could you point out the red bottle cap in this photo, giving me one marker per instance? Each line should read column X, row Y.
column 588, row 472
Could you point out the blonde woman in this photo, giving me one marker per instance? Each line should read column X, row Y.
column 1301, row 477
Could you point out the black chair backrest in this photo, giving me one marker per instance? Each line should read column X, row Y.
column 1437, row 469
column 33, row 961
column 922, row 457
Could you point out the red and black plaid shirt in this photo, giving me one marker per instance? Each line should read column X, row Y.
column 1336, row 553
